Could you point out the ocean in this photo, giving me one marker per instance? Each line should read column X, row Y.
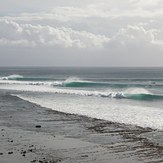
column 131, row 96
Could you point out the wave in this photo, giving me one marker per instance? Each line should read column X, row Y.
column 148, row 97
column 110, row 85
column 36, row 83
column 76, row 82
column 12, row 77
column 110, row 110
column 17, row 77
column 132, row 93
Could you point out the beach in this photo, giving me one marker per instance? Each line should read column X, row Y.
column 31, row 133
column 81, row 81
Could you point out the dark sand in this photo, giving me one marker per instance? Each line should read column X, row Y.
column 30, row 133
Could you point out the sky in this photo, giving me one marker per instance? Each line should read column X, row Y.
column 119, row 33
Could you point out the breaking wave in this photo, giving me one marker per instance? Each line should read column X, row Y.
column 12, row 77
column 49, row 88
column 130, row 90
column 76, row 82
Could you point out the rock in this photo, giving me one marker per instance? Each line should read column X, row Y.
column 10, row 153
column 1, row 153
column 84, row 156
column 38, row 126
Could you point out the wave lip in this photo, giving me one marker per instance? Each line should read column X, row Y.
column 79, row 84
column 148, row 97
column 75, row 82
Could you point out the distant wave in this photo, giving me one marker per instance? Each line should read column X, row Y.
column 108, row 84
column 17, row 77
column 77, row 82
column 12, row 77
column 36, row 83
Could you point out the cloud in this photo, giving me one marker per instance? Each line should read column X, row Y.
column 28, row 35
column 111, row 29
column 136, row 38
column 142, row 3
column 12, row 33
column 102, row 9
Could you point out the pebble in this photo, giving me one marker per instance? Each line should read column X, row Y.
column 38, row 126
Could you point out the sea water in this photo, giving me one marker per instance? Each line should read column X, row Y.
column 122, row 95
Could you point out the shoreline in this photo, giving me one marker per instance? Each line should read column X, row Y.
column 63, row 137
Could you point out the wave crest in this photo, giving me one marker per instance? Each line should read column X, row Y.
column 12, row 77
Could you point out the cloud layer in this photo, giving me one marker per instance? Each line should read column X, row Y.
column 110, row 28
column 13, row 33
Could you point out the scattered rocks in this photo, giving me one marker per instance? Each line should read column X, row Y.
column 10, row 141
column 10, row 153
column 23, row 153
column 45, row 161
column 31, row 146
column 33, row 161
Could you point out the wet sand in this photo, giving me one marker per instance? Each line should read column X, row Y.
column 30, row 133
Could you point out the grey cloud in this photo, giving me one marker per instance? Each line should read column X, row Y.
column 116, row 33
column 12, row 33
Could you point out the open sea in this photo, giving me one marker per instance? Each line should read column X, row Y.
column 123, row 95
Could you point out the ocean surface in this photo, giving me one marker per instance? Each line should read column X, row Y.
column 122, row 95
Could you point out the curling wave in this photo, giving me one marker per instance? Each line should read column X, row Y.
column 135, row 94
column 78, row 83
column 75, row 82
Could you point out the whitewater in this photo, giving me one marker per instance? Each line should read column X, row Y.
column 116, row 95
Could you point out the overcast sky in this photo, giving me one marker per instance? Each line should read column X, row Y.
column 81, row 33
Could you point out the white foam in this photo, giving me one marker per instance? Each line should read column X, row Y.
column 109, row 110
column 137, row 91
column 102, row 108
column 47, row 88
column 15, row 82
